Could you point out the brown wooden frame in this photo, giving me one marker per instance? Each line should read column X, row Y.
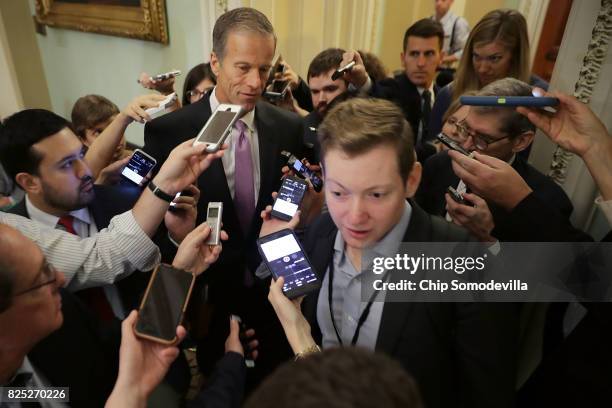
column 147, row 22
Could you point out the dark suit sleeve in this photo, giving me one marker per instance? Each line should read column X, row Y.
column 486, row 350
column 533, row 220
column 302, row 96
column 225, row 388
column 443, row 100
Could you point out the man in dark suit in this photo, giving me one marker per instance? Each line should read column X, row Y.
column 414, row 89
column 499, row 133
column 250, row 170
column 461, row 354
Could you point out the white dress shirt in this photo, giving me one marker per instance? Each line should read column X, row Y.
column 230, row 153
column 462, row 31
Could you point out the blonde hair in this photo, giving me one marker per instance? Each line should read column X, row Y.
column 509, row 28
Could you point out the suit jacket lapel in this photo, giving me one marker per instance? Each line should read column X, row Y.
column 395, row 314
column 268, row 152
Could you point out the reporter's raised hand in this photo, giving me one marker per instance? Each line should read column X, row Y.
column 111, row 174
column 357, row 75
column 288, row 75
column 477, row 218
column 194, row 254
column 574, row 126
column 271, row 224
column 181, row 220
column 142, row 365
column 234, row 343
column 490, row 178
column 184, row 165
column 295, row 325
column 136, row 108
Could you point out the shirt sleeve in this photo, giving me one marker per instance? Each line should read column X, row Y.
column 112, row 254
column 462, row 31
column 606, row 208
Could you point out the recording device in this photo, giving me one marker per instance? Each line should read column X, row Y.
column 138, row 167
column 289, row 198
column 457, row 196
column 164, row 304
column 277, row 68
column 340, row 71
column 278, row 91
column 214, row 213
column 249, row 362
column 166, row 75
column 172, row 207
column 303, row 171
column 284, row 256
column 451, row 144
column 218, row 127
column 532, row 101
column 163, row 105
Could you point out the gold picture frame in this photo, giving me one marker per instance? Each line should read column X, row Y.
column 146, row 22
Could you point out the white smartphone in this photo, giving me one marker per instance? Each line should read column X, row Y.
column 166, row 75
column 218, row 127
column 138, row 167
column 163, row 105
column 214, row 213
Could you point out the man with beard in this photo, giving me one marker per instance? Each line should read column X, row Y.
column 323, row 90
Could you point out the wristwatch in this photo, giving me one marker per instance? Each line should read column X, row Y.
column 160, row 193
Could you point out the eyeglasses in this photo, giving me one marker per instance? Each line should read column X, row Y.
column 481, row 141
column 197, row 93
column 49, row 275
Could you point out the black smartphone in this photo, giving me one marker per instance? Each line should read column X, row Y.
column 457, row 196
column 300, row 168
column 451, row 144
column 164, row 303
column 138, row 167
column 284, row 256
column 289, row 198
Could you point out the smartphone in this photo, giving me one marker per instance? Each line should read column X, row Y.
column 284, row 256
column 249, row 362
column 218, row 127
column 277, row 68
column 303, row 171
column 451, row 144
column 138, row 167
column 340, row 71
column 289, row 198
column 164, row 304
column 166, row 75
column 163, row 105
column 457, row 196
column 214, row 214
column 534, row 101
column 278, row 90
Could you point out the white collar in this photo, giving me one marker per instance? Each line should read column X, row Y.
column 248, row 118
column 50, row 220
column 431, row 89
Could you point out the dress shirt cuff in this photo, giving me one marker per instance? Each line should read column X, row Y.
column 605, row 207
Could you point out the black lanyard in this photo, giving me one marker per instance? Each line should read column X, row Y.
column 364, row 314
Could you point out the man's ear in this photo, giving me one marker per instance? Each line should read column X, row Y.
column 414, row 179
column 402, row 55
column 215, row 64
column 29, row 183
column 523, row 141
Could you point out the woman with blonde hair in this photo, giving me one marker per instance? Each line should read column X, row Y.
column 498, row 47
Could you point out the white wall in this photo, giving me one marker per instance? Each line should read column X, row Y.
column 11, row 100
column 78, row 63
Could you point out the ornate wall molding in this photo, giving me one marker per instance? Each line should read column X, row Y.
column 588, row 77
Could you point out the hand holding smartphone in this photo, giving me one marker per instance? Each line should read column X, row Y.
column 289, row 198
column 300, row 168
column 457, row 196
column 164, row 303
column 284, row 256
column 139, row 166
column 218, row 127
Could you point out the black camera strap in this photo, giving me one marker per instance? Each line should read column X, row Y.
column 364, row 314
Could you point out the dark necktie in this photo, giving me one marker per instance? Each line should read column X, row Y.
column 244, row 189
column 425, row 114
column 93, row 297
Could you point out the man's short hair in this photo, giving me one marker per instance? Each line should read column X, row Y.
column 20, row 132
column 325, row 61
column 243, row 19
column 338, row 377
column 425, row 28
column 359, row 125
column 512, row 123
column 91, row 110
column 7, row 271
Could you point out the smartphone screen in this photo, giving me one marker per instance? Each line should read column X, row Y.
column 138, row 167
column 279, row 86
column 301, row 168
column 162, row 308
column 217, row 126
column 285, row 258
column 289, row 197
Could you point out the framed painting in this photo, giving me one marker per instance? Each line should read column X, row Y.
column 142, row 19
